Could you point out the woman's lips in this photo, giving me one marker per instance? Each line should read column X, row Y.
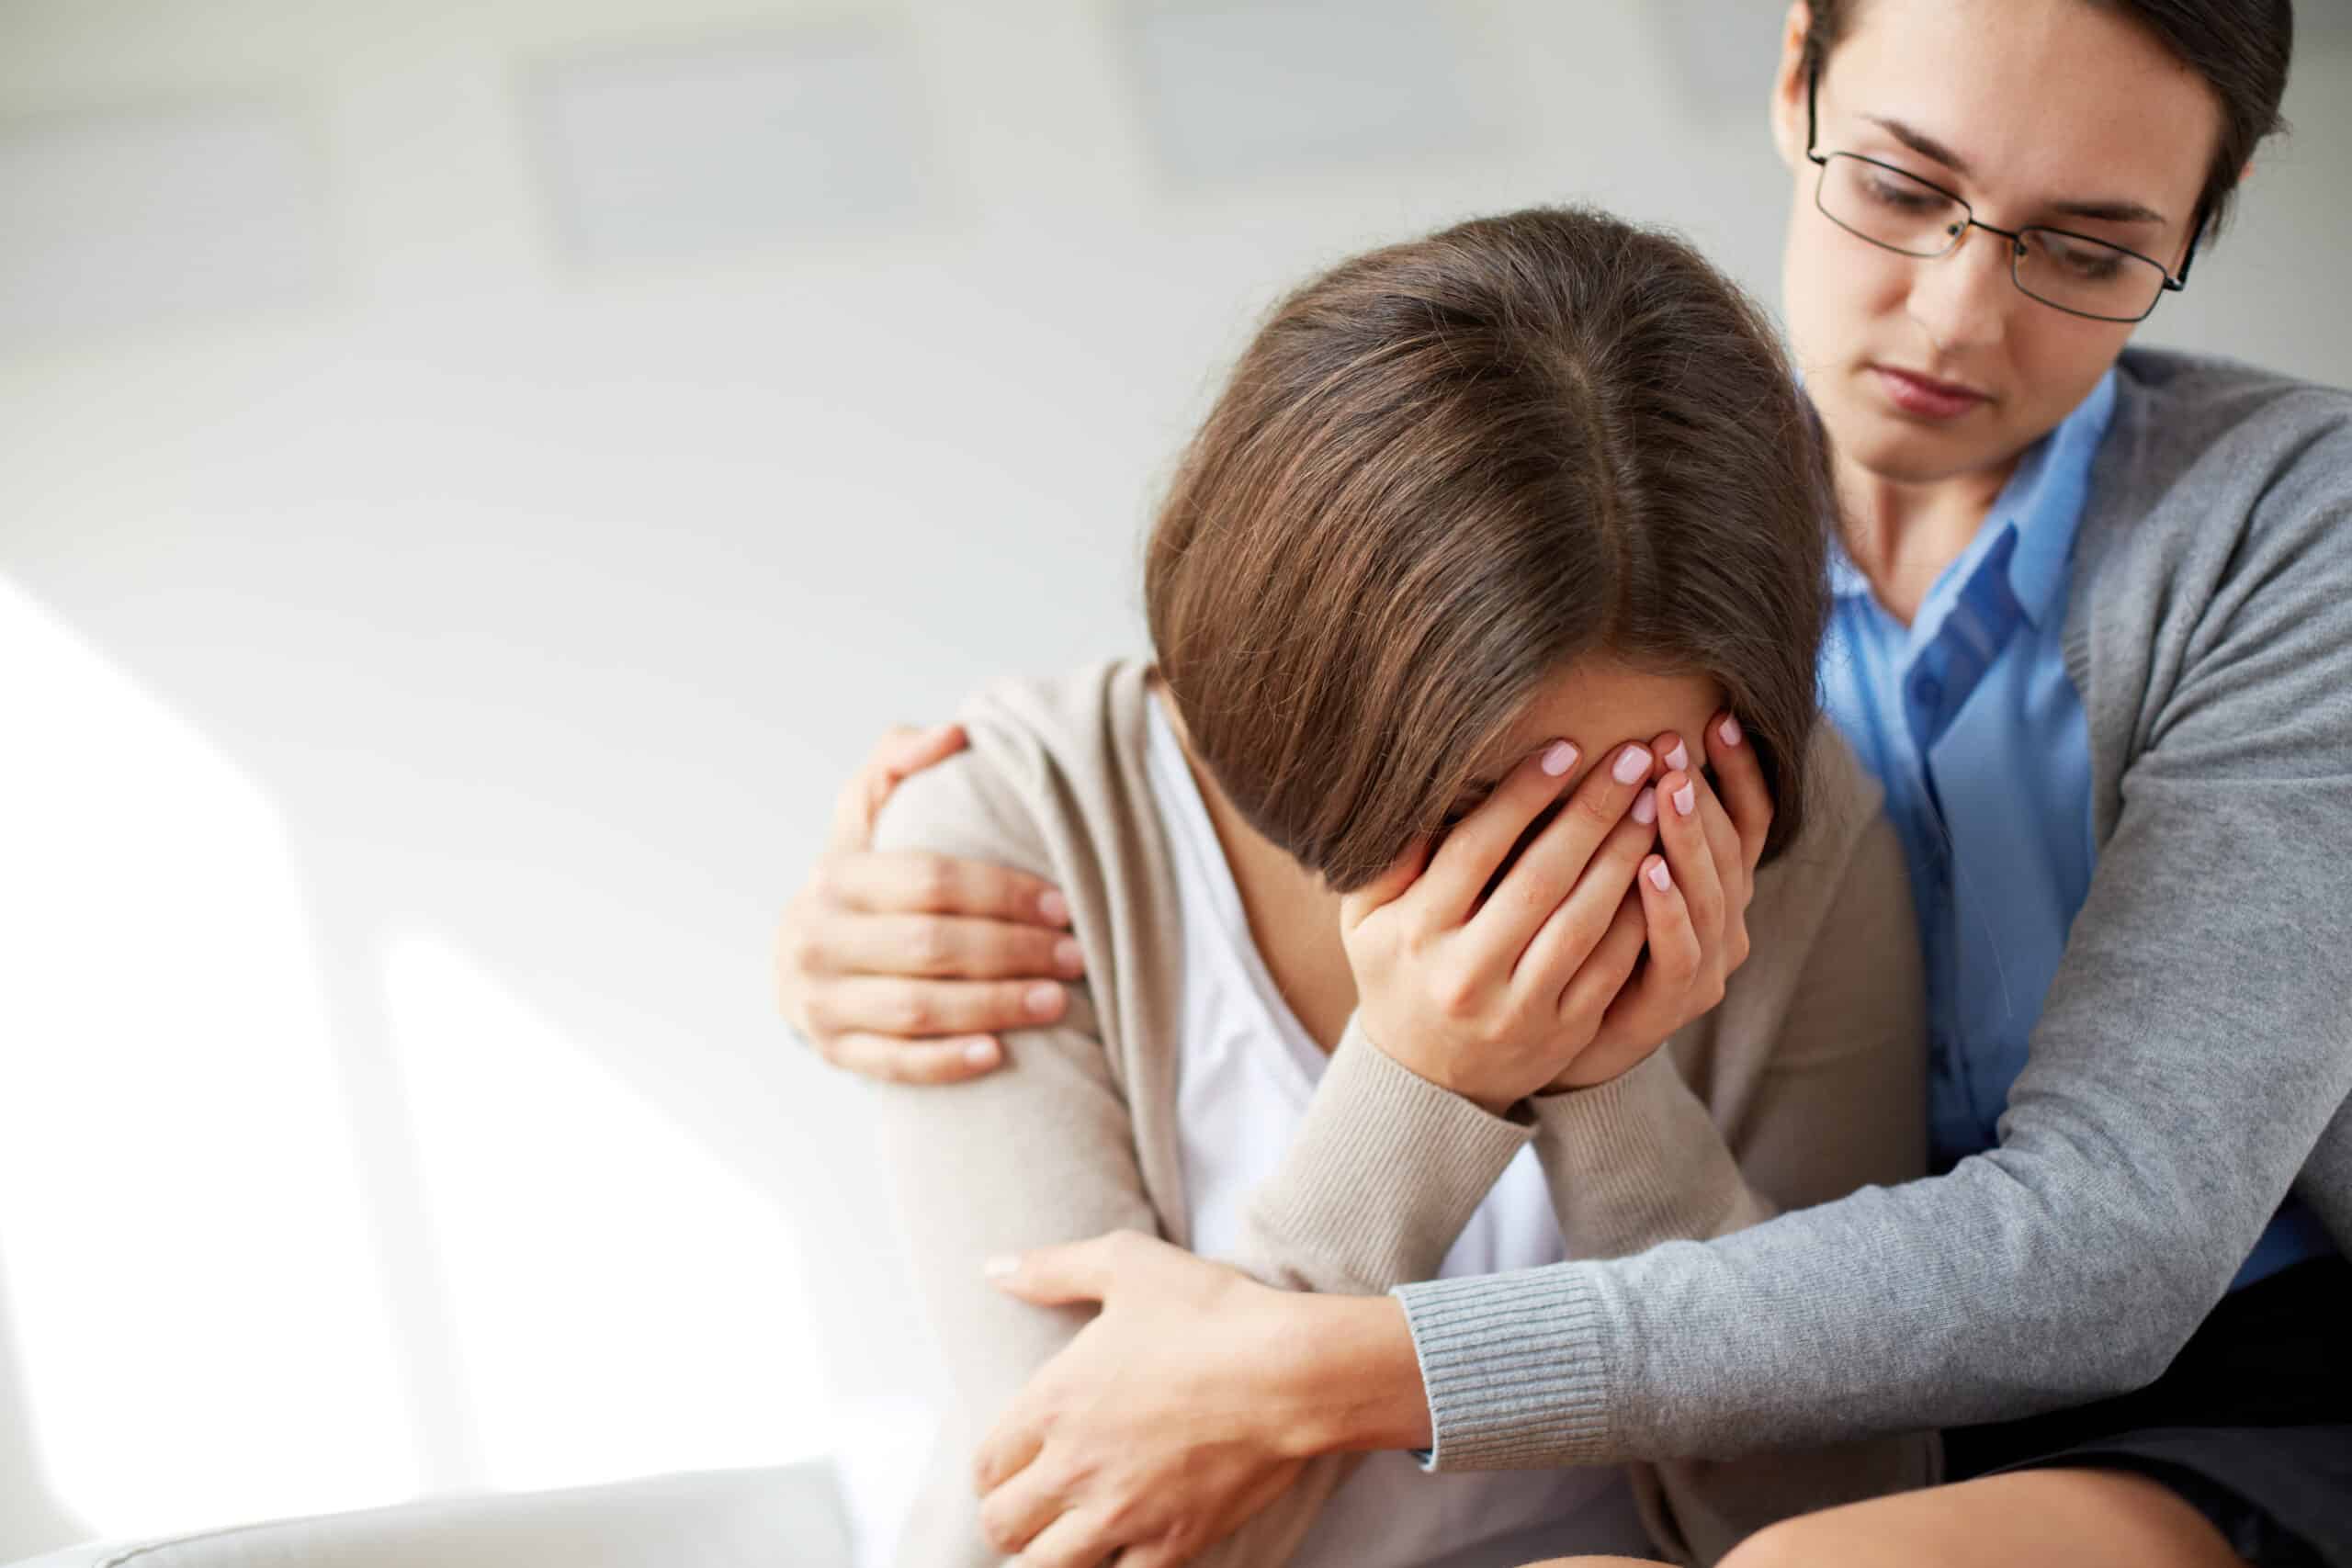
column 1926, row 398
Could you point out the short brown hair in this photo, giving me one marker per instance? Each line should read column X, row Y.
column 1445, row 469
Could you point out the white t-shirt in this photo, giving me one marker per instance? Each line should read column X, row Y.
column 1246, row 1070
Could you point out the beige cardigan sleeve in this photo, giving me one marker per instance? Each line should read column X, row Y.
column 1044, row 1151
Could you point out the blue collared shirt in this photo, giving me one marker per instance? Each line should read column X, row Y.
column 1970, row 720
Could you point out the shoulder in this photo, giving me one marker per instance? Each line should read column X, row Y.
column 2204, row 440
column 1052, row 766
column 1846, row 839
column 1843, row 804
column 2204, row 397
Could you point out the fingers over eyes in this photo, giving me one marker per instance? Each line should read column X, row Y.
column 1584, row 1000
column 1465, row 862
column 1691, row 851
column 1739, row 777
column 1549, row 928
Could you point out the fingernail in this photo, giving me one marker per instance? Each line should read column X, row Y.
column 1043, row 1000
column 1559, row 759
column 1004, row 1266
column 1645, row 807
column 1661, row 879
column 1729, row 731
column 1055, row 907
column 1631, row 765
column 1679, row 758
column 1068, row 956
column 1686, row 799
column 981, row 1052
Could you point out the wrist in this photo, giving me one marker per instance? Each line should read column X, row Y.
column 1482, row 1096
column 1348, row 1378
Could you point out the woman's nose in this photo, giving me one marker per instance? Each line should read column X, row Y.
column 1964, row 297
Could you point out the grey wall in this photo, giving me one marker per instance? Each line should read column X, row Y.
column 477, row 475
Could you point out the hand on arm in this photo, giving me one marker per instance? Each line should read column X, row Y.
column 1196, row 1398
column 903, row 965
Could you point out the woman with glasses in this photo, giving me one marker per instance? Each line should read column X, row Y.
column 2092, row 631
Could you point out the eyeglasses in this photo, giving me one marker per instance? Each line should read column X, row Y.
column 1897, row 211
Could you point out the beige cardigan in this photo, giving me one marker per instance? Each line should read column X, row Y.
column 1804, row 1085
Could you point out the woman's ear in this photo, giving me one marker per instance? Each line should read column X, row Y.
column 1789, row 85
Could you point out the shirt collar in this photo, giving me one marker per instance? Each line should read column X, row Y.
column 2043, row 501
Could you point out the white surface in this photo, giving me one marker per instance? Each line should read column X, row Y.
column 740, row 1518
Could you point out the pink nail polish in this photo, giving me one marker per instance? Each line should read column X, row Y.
column 1631, row 765
column 1070, row 958
column 1054, row 908
column 1043, row 1000
column 1729, row 731
column 981, row 1052
column 1679, row 758
column 1645, row 807
column 1686, row 799
column 1559, row 759
column 1661, row 879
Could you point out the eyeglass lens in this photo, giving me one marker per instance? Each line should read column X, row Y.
column 1892, row 208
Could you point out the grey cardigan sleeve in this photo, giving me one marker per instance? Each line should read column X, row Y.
column 2190, row 1055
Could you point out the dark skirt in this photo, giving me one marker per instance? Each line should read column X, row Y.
column 2251, row 1424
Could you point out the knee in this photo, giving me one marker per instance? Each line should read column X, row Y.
column 1839, row 1538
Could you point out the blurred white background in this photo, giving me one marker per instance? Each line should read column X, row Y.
column 475, row 477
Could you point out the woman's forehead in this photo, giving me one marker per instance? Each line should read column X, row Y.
column 2041, row 103
column 1598, row 701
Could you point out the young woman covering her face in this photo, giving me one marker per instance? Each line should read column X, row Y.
column 2090, row 630
column 1379, row 963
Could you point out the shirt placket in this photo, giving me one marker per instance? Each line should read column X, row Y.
column 1943, row 672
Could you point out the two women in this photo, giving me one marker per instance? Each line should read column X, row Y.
column 2090, row 632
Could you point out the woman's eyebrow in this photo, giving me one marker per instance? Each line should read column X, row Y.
column 1927, row 146
column 1922, row 143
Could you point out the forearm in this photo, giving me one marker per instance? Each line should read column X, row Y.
column 1960, row 1299
column 1351, row 1383
column 1378, row 1183
column 1638, row 1160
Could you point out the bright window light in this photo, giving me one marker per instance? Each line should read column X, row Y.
column 190, row 1272
column 622, row 1303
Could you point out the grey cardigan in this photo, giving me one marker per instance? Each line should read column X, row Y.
column 2193, row 1059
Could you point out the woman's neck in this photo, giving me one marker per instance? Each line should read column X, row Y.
column 1294, row 918
column 1901, row 536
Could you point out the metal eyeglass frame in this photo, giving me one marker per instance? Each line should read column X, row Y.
column 2172, row 284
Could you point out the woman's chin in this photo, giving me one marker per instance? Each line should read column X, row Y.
column 1904, row 451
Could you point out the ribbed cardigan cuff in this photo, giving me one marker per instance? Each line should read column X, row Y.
column 1384, row 1173
column 1515, row 1368
column 1636, row 1161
